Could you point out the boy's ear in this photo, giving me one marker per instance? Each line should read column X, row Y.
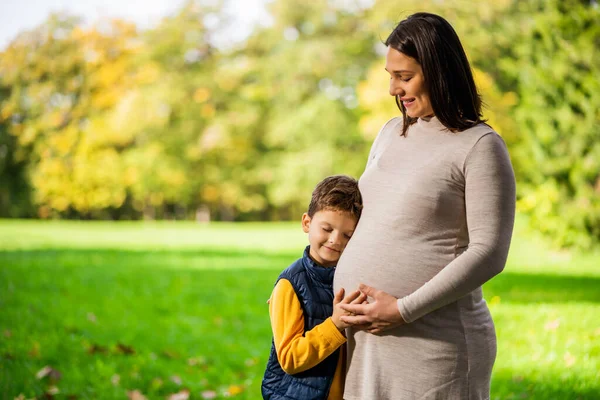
column 305, row 222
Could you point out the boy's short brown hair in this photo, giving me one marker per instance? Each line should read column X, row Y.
column 337, row 192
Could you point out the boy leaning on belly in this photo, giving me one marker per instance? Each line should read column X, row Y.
column 307, row 359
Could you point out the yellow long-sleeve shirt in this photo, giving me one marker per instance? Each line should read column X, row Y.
column 297, row 351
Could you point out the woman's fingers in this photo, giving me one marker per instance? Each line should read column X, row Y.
column 354, row 308
column 361, row 327
column 355, row 319
column 368, row 290
column 360, row 299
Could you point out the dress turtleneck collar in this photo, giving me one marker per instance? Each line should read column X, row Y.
column 317, row 272
column 430, row 123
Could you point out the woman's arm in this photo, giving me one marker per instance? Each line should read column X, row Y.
column 490, row 211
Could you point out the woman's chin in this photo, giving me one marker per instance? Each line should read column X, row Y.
column 412, row 113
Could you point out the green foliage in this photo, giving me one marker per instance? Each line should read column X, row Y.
column 60, row 80
column 15, row 191
column 110, row 122
column 117, row 307
column 552, row 62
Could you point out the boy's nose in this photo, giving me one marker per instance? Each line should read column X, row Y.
column 334, row 238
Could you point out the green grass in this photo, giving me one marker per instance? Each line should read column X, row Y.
column 189, row 301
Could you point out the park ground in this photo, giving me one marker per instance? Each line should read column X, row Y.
column 177, row 310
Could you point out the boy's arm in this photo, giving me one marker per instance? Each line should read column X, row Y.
column 296, row 351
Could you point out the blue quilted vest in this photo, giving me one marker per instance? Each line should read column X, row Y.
column 313, row 286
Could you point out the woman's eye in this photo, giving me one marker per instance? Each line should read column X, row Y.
column 406, row 79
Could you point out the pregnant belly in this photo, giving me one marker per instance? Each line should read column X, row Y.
column 396, row 269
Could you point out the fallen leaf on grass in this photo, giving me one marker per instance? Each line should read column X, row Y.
column 135, row 395
column 8, row 356
column 196, row 361
column 22, row 397
column 35, row 350
column 115, row 379
column 7, row 333
column 569, row 359
column 250, row 362
column 48, row 371
column 176, row 380
column 169, row 354
column 181, row 395
column 52, row 391
column 125, row 349
column 208, row 394
column 92, row 317
column 552, row 325
column 96, row 348
column 234, row 389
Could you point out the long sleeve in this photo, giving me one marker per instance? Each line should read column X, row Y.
column 490, row 213
column 297, row 351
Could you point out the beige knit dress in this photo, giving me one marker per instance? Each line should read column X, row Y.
column 437, row 222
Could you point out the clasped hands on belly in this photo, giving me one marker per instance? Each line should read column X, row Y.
column 375, row 316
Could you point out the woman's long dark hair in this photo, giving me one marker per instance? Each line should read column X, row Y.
column 433, row 43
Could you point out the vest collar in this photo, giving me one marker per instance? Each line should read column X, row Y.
column 317, row 272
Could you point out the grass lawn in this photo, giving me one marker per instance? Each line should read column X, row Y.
column 112, row 308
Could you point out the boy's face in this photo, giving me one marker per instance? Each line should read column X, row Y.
column 328, row 233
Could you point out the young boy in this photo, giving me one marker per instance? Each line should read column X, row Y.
column 306, row 361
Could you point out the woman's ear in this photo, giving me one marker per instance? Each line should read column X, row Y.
column 305, row 222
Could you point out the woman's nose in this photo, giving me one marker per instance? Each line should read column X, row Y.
column 395, row 90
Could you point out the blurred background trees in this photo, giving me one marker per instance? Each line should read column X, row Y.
column 110, row 122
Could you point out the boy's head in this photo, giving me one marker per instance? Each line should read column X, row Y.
column 332, row 215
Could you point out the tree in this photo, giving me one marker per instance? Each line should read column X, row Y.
column 553, row 63
column 61, row 81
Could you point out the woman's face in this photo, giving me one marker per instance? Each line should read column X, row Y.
column 408, row 83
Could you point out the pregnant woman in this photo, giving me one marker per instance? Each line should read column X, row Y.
column 439, row 205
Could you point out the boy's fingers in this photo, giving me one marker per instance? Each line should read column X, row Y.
column 338, row 296
column 351, row 297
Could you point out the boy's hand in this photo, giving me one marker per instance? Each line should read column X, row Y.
column 356, row 297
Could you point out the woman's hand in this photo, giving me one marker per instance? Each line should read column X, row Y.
column 376, row 316
column 353, row 298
